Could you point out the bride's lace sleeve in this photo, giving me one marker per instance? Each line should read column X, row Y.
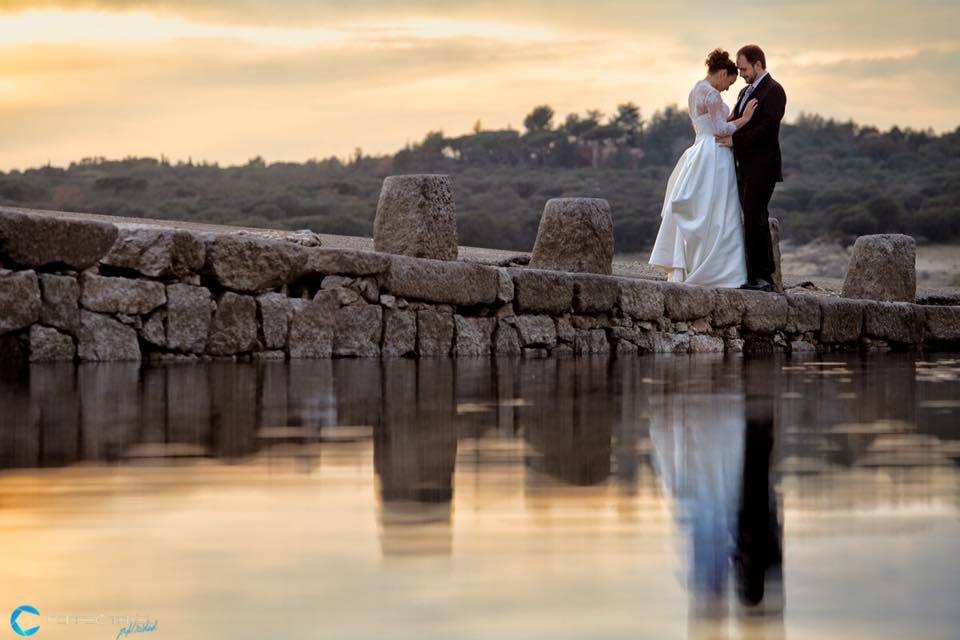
column 718, row 114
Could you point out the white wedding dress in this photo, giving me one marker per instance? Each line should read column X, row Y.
column 701, row 232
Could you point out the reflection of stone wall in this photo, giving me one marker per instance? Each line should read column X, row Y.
column 79, row 289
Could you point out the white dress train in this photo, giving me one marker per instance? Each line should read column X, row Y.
column 700, row 240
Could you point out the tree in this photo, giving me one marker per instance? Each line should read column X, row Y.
column 540, row 119
column 628, row 119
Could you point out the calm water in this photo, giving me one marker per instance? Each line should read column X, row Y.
column 656, row 497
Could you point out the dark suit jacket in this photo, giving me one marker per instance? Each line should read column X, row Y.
column 756, row 146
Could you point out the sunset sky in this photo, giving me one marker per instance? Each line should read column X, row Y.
column 226, row 80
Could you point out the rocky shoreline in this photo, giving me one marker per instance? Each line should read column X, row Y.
column 80, row 289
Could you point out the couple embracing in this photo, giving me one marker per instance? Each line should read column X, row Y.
column 715, row 222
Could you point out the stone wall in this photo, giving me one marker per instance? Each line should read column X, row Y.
column 78, row 289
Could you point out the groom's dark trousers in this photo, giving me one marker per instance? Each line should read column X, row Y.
column 756, row 149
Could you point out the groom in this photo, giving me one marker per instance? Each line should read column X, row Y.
column 756, row 150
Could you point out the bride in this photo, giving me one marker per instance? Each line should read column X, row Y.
column 701, row 233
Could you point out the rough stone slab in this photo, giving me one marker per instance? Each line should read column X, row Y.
column 358, row 331
column 367, row 287
column 49, row 345
column 882, row 267
column 312, row 327
column 36, row 239
column 399, row 333
column 189, row 310
column 701, row 343
column 20, row 301
column 943, row 323
column 233, row 329
column 893, row 321
column 434, row 333
column 506, row 340
column 254, row 265
column 321, row 262
column 565, row 329
column 61, row 302
column 157, row 252
column 775, row 243
column 505, row 289
column 766, row 312
column 539, row 291
column 591, row 342
column 841, row 320
column 663, row 342
column 729, row 307
column 154, row 330
column 103, row 339
column 120, row 295
column 416, row 216
column 803, row 314
column 684, row 302
column 575, row 235
column 536, row 330
column 474, row 336
column 458, row 283
column 276, row 310
column 641, row 299
column 594, row 294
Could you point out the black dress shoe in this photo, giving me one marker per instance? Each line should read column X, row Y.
column 757, row 284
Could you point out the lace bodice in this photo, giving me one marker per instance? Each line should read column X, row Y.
column 704, row 100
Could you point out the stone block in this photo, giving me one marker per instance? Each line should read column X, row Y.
column 399, row 333
column 594, row 294
column 416, row 216
column 358, row 331
column 434, row 333
column 841, row 320
column 536, row 330
column 575, row 234
column 882, row 267
column 49, row 345
column 20, row 300
column 539, row 291
column 61, row 302
column 38, row 238
column 474, row 336
column 685, row 302
column 189, row 310
column 103, row 339
column 233, row 329
column 641, row 299
column 120, row 295
column 458, row 283
column 157, row 252
column 250, row 264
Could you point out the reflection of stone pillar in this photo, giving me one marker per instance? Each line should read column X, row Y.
column 312, row 403
column 415, row 449
column 571, row 421
column 56, row 408
column 233, row 410
column 109, row 409
column 19, row 434
column 357, row 387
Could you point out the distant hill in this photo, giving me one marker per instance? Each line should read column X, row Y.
column 842, row 180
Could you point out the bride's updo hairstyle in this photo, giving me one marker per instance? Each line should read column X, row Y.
column 719, row 60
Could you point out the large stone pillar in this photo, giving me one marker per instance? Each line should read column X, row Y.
column 575, row 234
column 775, row 241
column 416, row 217
column 882, row 267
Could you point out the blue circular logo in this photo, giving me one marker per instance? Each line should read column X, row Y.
column 16, row 626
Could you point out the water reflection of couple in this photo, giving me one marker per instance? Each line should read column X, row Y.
column 713, row 453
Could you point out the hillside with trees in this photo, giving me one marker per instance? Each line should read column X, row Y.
column 842, row 180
